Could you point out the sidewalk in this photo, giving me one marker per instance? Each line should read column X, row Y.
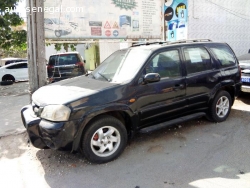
column 12, row 99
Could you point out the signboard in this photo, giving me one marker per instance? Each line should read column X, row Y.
column 101, row 19
column 175, row 15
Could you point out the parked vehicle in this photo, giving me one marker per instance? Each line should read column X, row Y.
column 65, row 65
column 244, row 61
column 58, row 26
column 14, row 72
column 141, row 88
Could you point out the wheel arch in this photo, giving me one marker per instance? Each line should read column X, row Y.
column 226, row 86
column 124, row 114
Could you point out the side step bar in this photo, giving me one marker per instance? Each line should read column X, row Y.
column 172, row 122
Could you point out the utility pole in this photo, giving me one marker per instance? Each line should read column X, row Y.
column 36, row 44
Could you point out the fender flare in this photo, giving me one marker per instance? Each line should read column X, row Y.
column 90, row 115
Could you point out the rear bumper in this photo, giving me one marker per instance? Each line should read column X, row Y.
column 245, row 88
column 45, row 134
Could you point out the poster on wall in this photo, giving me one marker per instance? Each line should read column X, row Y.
column 175, row 16
column 102, row 19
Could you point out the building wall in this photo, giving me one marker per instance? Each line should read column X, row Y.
column 224, row 21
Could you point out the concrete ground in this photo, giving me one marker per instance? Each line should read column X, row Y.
column 193, row 154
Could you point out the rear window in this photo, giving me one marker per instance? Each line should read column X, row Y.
column 66, row 59
column 224, row 55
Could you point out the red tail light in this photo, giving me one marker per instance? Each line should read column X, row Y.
column 80, row 64
column 50, row 67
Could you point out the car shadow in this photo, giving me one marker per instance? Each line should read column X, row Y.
column 183, row 155
column 244, row 97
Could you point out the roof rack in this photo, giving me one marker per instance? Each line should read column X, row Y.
column 190, row 40
column 172, row 42
column 148, row 43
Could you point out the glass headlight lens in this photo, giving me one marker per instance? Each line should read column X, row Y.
column 56, row 113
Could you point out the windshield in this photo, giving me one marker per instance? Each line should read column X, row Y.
column 122, row 65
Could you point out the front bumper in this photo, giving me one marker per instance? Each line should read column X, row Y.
column 46, row 134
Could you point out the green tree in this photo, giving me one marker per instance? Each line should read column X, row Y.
column 12, row 37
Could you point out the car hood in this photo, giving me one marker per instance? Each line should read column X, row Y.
column 67, row 91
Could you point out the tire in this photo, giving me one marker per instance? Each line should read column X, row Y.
column 104, row 140
column 8, row 78
column 5, row 83
column 220, row 107
column 58, row 33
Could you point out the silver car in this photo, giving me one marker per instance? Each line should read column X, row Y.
column 244, row 61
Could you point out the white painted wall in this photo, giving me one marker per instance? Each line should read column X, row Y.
column 223, row 21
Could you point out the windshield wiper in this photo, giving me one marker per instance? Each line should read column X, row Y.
column 104, row 77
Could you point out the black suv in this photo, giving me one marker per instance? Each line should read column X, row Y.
column 141, row 88
column 65, row 65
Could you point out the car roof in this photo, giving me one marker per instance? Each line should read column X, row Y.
column 160, row 44
column 63, row 53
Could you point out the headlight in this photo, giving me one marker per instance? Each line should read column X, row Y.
column 56, row 113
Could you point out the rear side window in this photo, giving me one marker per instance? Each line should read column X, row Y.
column 197, row 59
column 65, row 59
column 18, row 66
column 224, row 55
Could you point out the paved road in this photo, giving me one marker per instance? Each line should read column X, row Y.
column 193, row 154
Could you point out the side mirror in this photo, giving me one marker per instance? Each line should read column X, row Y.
column 151, row 77
column 249, row 51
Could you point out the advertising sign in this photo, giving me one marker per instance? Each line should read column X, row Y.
column 102, row 19
column 175, row 15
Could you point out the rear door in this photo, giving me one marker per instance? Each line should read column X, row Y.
column 161, row 100
column 19, row 71
column 201, row 75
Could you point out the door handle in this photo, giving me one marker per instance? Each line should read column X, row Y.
column 178, row 86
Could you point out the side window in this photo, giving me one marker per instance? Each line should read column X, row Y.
column 167, row 64
column 224, row 55
column 19, row 66
column 197, row 59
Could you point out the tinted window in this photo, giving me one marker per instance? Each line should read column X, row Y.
column 167, row 64
column 224, row 55
column 66, row 59
column 18, row 66
column 197, row 59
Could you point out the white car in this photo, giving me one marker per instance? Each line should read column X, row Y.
column 14, row 72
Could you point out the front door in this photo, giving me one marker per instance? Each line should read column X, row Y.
column 161, row 100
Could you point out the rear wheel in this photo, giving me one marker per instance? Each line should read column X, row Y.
column 8, row 82
column 221, row 107
column 8, row 78
column 104, row 139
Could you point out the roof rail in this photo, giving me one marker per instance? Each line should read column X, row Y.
column 149, row 43
column 190, row 40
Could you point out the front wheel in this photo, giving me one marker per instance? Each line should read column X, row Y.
column 104, row 139
column 221, row 107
